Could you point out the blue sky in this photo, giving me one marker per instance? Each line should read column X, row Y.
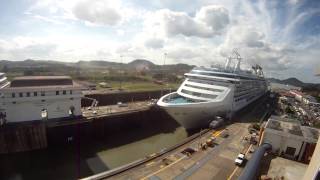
column 281, row 36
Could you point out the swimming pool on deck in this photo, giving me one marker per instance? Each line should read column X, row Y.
column 178, row 100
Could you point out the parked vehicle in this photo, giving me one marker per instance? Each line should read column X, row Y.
column 216, row 123
column 239, row 160
column 120, row 104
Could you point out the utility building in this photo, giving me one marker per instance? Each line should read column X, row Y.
column 289, row 139
column 30, row 98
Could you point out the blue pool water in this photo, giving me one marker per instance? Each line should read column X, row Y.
column 179, row 100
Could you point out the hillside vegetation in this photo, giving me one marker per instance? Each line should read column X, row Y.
column 137, row 75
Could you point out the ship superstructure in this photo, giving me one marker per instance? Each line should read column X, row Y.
column 208, row 92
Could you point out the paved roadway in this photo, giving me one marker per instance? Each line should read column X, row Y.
column 213, row 163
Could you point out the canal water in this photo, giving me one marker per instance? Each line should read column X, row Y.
column 124, row 142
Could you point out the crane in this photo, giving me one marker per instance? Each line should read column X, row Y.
column 93, row 104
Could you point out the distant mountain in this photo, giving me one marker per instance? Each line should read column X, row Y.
column 274, row 80
column 306, row 87
column 290, row 81
column 141, row 64
column 50, row 65
column 294, row 82
column 95, row 64
column 30, row 63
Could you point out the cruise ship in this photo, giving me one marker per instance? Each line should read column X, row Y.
column 209, row 92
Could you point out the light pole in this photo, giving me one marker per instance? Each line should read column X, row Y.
column 164, row 58
column 164, row 62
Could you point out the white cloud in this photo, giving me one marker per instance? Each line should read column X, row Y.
column 98, row 12
column 242, row 35
column 154, row 43
column 92, row 12
column 47, row 19
column 215, row 17
column 21, row 48
column 182, row 53
column 175, row 23
column 208, row 22
column 293, row 2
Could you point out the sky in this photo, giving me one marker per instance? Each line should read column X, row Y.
column 283, row 36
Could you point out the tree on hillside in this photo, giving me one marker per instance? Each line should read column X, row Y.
column 158, row 76
column 28, row 73
column 5, row 68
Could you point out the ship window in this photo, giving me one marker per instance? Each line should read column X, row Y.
column 64, row 92
column 204, row 88
column 208, row 96
column 43, row 93
column 28, row 94
column 57, row 92
column 208, row 82
column 35, row 93
column 198, row 94
column 213, row 74
column 13, row 95
column 21, row 94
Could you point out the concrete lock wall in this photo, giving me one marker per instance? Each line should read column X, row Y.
column 113, row 98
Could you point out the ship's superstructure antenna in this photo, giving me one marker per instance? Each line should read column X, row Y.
column 236, row 56
column 238, row 59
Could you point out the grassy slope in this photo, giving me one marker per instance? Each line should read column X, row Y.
column 143, row 86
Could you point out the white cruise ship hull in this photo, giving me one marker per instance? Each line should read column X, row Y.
column 195, row 115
